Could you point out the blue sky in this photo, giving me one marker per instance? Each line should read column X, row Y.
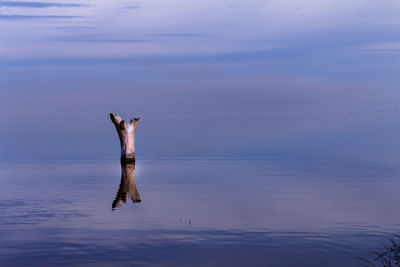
column 60, row 61
column 152, row 29
column 305, row 40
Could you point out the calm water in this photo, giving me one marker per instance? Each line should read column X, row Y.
column 287, row 190
column 195, row 211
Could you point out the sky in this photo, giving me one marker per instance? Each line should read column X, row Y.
column 201, row 74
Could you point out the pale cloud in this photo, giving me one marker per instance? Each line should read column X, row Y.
column 249, row 26
column 383, row 46
column 37, row 4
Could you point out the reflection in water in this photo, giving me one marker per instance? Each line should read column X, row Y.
column 127, row 187
column 287, row 215
column 389, row 257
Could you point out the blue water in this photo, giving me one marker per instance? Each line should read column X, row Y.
column 195, row 211
column 284, row 189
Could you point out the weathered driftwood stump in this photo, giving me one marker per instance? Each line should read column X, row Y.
column 126, row 133
column 127, row 187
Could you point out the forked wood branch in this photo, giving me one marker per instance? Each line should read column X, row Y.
column 126, row 133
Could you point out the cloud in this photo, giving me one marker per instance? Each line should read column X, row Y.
column 96, row 38
column 29, row 17
column 76, row 28
column 383, row 46
column 38, row 4
column 132, row 7
column 179, row 35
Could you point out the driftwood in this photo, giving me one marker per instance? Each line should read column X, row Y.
column 127, row 187
column 126, row 133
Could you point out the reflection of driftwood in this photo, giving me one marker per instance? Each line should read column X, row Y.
column 127, row 187
column 126, row 133
column 390, row 257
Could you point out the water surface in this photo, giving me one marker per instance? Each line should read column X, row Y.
column 195, row 211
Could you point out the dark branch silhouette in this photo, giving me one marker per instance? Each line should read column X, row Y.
column 389, row 257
